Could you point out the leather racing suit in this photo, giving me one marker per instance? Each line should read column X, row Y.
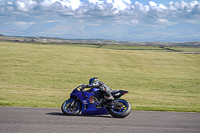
column 102, row 87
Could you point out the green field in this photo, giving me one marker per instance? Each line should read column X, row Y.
column 35, row 75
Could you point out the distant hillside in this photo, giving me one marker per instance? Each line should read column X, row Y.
column 47, row 40
column 7, row 29
column 53, row 29
column 182, row 32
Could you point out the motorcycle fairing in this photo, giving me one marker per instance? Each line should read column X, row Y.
column 88, row 108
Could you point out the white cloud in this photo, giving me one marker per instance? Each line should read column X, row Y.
column 23, row 24
column 25, row 5
column 163, row 21
column 102, row 11
column 161, row 6
column 120, row 4
column 152, row 4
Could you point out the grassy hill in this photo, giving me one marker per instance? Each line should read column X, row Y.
column 33, row 75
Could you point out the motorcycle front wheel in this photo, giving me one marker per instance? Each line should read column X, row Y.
column 71, row 107
column 122, row 110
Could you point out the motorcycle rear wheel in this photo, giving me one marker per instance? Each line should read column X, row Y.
column 122, row 111
column 69, row 109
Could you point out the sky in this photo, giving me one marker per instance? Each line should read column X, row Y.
column 82, row 13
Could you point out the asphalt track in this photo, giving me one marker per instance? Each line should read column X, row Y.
column 43, row 120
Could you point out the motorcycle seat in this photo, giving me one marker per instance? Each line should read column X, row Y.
column 115, row 91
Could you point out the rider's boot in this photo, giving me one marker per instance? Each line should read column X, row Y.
column 109, row 97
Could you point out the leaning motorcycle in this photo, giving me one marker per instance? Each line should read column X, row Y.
column 93, row 102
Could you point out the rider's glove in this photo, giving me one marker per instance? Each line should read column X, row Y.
column 83, row 86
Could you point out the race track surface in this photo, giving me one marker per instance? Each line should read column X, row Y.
column 42, row 120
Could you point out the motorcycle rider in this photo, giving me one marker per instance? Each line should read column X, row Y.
column 94, row 83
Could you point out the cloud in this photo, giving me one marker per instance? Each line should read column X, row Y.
column 23, row 24
column 71, row 4
column 25, row 5
column 100, row 11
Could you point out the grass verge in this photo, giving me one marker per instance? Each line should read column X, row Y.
column 34, row 75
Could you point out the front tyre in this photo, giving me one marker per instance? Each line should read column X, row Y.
column 121, row 109
column 71, row 107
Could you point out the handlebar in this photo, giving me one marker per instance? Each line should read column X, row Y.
column 81, row 87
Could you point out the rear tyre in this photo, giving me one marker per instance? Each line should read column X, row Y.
column 122, row 110
column 71, row 107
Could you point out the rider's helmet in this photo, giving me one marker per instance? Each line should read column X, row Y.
column 93, row 80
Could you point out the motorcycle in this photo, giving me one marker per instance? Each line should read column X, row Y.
column 93, row 102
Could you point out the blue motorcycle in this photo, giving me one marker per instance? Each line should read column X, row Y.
column 93, row 102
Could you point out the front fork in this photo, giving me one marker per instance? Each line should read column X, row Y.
column 72, row 104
